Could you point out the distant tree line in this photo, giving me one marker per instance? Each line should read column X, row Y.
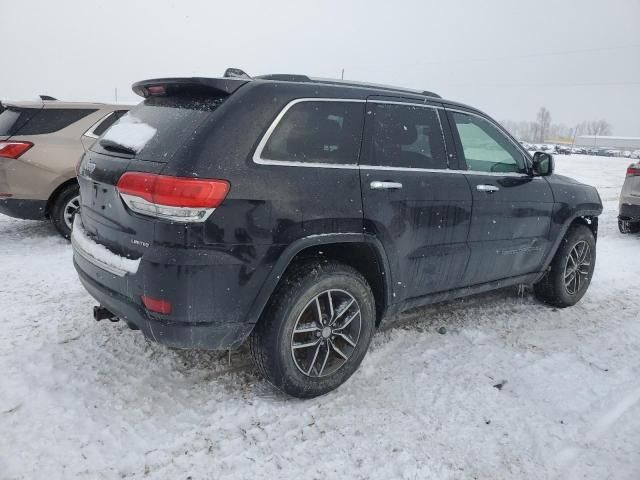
column 542, row 129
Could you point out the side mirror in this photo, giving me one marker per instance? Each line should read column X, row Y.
column 543, row 164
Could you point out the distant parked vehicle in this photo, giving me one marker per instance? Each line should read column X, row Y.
column 578, row 150
column 563, row 150
column 626, row 154
column 40, row 145
column 629, row 215
column 635, row 154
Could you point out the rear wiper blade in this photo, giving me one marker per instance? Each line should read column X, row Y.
column 116, row 147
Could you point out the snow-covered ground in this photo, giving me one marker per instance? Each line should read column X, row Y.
column 80, row 399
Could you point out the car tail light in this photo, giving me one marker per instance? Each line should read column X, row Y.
column 157, row 305
column 14, row 149
column 172, row 198
column 633, row 171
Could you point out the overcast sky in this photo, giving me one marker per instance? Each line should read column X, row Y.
column 579, row 59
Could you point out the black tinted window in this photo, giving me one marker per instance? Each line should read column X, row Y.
column 112, row 118
column 53, row 119
column 13, row 118
column 406, row 136
column 156, row 128
column 313, row 131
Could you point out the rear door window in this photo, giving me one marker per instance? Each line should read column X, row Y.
column 406, row 136
column 317, row 132
column 156, row 128
column 50, row 120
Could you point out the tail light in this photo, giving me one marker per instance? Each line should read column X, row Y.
column 633, row 170
column 172, row 198
column 14, row 149
column 157, row 305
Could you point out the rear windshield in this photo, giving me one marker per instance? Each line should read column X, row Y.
column 156, row 128
column 39, row 121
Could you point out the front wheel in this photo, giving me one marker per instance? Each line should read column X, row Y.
column 64, row 209
column 316, row 330
column 571, row 270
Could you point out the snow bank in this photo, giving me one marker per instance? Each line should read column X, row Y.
column 87, row 400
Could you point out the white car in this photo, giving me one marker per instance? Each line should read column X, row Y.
column 629, row 215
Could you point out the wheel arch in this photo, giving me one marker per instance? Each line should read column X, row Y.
column 56, row 193
column 587, row 218
column 362, row 252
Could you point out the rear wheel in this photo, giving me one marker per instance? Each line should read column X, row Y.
column 64, row 209
column 316, row 330
column 571, row 269
column 627, row 226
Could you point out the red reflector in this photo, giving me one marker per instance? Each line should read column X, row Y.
column 174, row 191
column 156, row 305
column 14, row 149
column 156, row 90
column 633, row 171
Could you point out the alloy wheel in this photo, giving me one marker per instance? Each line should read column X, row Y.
column 326, row 333
column 577, row 267
column 70, row 210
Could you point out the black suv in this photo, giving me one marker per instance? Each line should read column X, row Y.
column 298, row 212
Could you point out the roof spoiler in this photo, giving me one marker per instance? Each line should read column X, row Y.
column 167, row 86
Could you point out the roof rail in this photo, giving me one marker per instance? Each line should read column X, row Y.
column 427, row 93
column 47, row 97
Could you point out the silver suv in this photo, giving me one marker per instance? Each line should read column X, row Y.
column 629, row 217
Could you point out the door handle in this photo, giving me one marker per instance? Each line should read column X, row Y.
column 487, row 188
column 377, row 185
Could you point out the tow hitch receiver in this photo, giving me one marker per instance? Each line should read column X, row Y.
column 101, row 313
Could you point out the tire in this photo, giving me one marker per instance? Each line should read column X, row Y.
column 64, row 208
column 626, row 226
column 553, row 289
column 280, row 354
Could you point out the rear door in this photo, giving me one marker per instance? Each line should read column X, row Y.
column 413, row 199
column 512, row 209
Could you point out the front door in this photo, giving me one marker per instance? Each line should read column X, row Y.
column 413, row 200
column 512, row 209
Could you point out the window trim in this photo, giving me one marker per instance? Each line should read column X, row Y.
column 525, row 155
column 257, row 155
column 89, row 133
column 257, row 158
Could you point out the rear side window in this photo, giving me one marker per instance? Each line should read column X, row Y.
column 156, row 128
column 406, row 136
column 50, row 120
column 315, row 131
column 109, row 120
column 13, row 118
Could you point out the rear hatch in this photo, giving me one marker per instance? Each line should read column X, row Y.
column 144, row 140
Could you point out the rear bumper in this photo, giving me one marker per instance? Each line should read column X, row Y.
column 208, row 336
column 209, row 306
column 25, row 209
column 629, row 211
